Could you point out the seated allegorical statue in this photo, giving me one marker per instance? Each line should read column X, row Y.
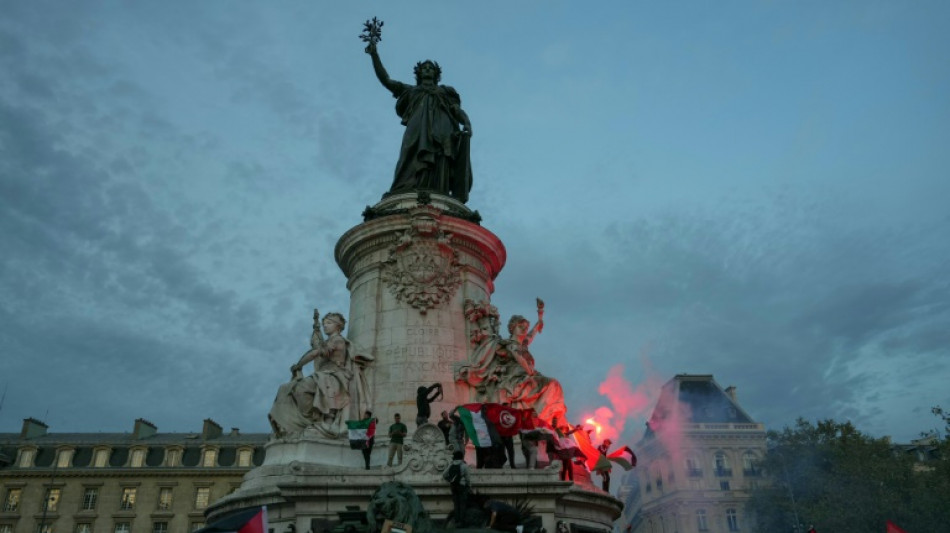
column 335, row 392
column 503, row 370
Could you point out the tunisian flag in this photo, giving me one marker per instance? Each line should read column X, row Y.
column 253, row 520
column 892, row 528
column 507, row 420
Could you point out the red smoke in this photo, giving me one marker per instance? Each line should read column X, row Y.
column 626, row 401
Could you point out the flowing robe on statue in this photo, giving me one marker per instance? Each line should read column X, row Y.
column 337, row 391
column 434, row 153
column 502, row 370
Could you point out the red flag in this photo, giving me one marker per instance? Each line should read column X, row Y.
column 253, row 520
column 257, row 524
column 507, row 420
column 892, row 528
column 587, row 447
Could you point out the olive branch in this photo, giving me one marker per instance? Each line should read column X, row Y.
column 372, row 31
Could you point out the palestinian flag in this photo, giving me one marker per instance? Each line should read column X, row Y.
column 253, row 520
column 606, row 462
column 539, row 430
column 507, row 420
column 475, row 425
column 360, row 432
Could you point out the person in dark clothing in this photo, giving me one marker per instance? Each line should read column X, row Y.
column 457, row 476
column 458, row 436
column 509, row 444
column 368, row 450
column 445, row 424
column 504, row 517
column 604, row 449
column 482, row 456
column 425, row 396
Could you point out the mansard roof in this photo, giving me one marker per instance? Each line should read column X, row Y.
column 696, row 399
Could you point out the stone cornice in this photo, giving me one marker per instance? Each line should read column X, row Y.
column 123, row 472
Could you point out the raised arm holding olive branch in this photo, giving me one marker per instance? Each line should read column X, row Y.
column 435, row 146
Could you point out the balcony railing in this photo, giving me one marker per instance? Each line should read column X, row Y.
column 723, row 472
column 724, row 427
column 751, row 472
column 695, row 472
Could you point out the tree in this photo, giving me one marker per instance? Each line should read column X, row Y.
column 832, row 475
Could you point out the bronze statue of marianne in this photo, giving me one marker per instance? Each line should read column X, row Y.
column 435, row 146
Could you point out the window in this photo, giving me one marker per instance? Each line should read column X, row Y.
column 165, row 499
column 195, row 526
column 102, row 459
column 64, row 459
column 749, row 464
column 160, row 527
column 122, row 527
column 83, row 528
column 44, row 528
column 138, row 458
column 52, row 499
column 90, row 495
column 732, row 520
column 6, row 528
column 693, row 467
column 173, row 457
column 202, row 496
column 722, row 465
column 724, row 485
column 12, row 501
column 127, row 502
column 701, row 520
column 244, row 457
column 208, row 458
column 26, row 458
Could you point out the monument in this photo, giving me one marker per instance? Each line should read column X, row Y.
column 420, row 270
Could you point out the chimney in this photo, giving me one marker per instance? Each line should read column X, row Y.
column 210, row 430
column 731, row 391
column 143, row 429
column 235, row 432
column 33, row 428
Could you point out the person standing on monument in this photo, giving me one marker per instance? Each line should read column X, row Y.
column 508, row 442
column 368, row 449
column 458, row 436
column 435, row 150
column 397, row 432
column 457, row 476
column 564, row 451
column 425, row 396
column 445, row 425
column 604, row 450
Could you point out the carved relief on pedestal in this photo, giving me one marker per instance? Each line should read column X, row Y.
column 423, row 270
column 427, row 451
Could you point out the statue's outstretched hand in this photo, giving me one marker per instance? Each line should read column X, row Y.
column 370, row 48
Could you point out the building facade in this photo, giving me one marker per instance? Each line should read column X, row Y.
column 698, row 461
column 138, row 482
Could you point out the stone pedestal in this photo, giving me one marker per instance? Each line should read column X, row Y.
column 409, row 270
column 410, row 267
column 311, row 496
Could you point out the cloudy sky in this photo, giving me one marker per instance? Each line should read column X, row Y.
column 756, row 190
